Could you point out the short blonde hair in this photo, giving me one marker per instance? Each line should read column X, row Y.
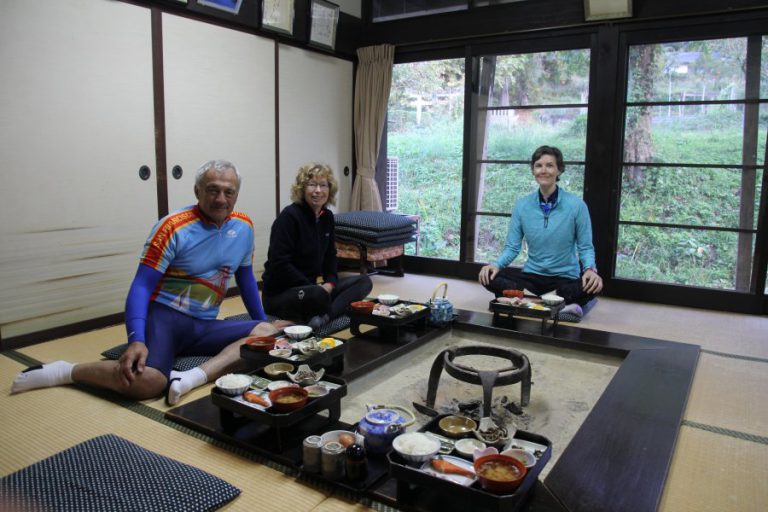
column 309, row 172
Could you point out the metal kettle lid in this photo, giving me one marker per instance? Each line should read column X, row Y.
column 383, row 417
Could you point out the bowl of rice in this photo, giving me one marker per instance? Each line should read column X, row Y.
column 416, row 447
column 234, row 384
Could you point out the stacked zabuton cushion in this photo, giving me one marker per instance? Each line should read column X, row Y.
column 374, row 229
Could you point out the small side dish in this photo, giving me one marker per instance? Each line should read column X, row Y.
column 256, row 397
column 524, row 456
column 551, row 299
column 457, row 426
column 466, row 447
column 317, row 390
column 277, row 369
column 454, row 469
column 514, row 293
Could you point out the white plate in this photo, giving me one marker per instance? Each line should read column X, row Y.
column 317, row 390
column 526, row 445
column 457, row 479
column 277, row 384
column 242, row 400
column 329, row 385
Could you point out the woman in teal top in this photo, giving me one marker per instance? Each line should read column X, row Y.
column 557, row 228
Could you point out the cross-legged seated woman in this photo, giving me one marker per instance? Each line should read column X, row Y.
column 301, row 281
column 557, row 228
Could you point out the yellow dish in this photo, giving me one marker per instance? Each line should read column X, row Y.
column 327, row 342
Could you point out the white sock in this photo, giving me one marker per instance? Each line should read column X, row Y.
column 51, row 374
column 183, row 382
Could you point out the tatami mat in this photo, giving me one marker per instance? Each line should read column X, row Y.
column 79, row 348
column 730, row 393
column 715, row 467
column 51, row 420
column 713, row 330
column 339, row 504
column 713, row 473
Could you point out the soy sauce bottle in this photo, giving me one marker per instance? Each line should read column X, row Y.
column 356, row 463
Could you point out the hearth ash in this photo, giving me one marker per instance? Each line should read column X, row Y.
column 503, row 412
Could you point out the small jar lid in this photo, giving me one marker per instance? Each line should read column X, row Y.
column 355, row 452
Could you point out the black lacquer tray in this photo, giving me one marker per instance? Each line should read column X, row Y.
column 415, row 486
column 331, row 357
column 265, row 417
column 509, row 310
column 389, row 326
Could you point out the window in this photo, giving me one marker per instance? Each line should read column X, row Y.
column 425, row 134
column 694, row 137
column 522, row 102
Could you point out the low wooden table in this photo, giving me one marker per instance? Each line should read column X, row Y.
column 510, row 311
column 390, row 328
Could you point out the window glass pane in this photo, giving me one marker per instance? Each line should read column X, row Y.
column 698, row 197
column 385, row 10
column 503, row 184
column 688, row 71
column 537, row 78
column 425, row 132
column 696, row 134
column 679, row 256
column 491, row 236
column 515, row 134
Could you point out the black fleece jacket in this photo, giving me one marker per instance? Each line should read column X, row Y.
column 302, row 248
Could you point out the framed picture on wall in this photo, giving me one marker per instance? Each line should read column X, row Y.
column 277, row 15
column 324, row 17
column 232, row 6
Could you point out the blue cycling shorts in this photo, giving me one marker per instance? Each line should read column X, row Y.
column 171, row 334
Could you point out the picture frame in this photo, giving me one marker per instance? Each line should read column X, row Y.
column 230, row 6
column 277, row 16
column 324, row 19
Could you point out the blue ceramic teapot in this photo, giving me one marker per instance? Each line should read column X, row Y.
column 379, row 428
column 441, row 309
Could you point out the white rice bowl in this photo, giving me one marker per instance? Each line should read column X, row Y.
column 416, row 446
column 234, row 383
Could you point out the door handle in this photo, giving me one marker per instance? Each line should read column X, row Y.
column 144, row 172
column 177, row 171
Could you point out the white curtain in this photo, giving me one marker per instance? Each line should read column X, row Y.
column 372, row 85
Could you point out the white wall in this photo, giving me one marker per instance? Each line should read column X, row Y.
column 76, row 123
column 315, row 118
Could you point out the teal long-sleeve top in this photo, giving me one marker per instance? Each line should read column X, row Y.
column 556, row 242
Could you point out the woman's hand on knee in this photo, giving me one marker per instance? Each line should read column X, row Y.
column 591, row 282
column 487, row 274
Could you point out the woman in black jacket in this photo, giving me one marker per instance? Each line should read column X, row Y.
column 301, row 282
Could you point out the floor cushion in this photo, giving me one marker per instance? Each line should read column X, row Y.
column 109, row 473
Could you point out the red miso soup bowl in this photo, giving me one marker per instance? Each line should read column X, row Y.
column 499, row 474
column 261, row 343
column 288, row 399
column 363, row 306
